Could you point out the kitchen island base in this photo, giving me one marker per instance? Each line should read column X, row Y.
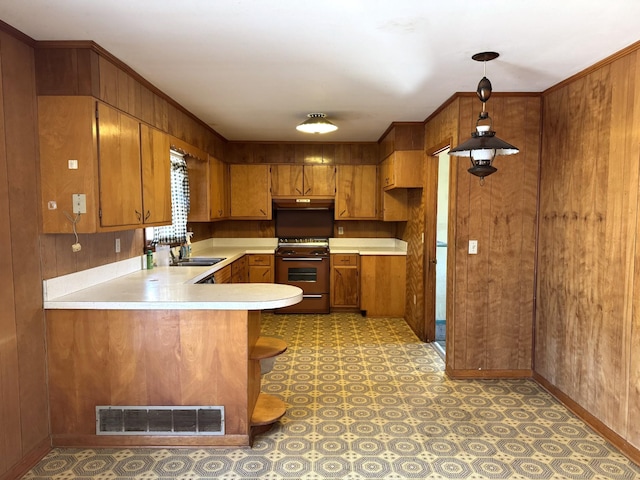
column 153, row 357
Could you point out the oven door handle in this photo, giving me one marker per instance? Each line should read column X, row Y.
column 298, row 259
column 311, row 296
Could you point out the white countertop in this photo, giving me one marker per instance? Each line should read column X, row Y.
column 126, row 286
column 368, row 246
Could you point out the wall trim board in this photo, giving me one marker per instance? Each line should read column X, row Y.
column 148, row 441
column 460, row 374
column 29, row 461
column 589, row 70
column 14, row 32
column 620, row 443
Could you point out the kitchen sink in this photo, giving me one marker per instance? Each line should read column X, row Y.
column 198, row 262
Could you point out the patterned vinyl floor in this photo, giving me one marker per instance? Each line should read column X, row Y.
column 367, row 400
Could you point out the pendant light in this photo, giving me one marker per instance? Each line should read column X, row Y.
column 316, row 123
column 483, row 146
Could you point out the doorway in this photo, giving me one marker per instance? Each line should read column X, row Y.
column 438, row 180
column 442, row 227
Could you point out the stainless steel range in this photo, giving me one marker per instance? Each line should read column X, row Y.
column 302, row 257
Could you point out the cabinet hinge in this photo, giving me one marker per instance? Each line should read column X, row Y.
column 97, row 111
column 99, row 213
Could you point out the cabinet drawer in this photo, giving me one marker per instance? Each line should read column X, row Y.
column 260, row 259
column 350, row 259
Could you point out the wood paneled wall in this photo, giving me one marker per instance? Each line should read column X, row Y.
column 365, row 153
column 83, row 68
column 587, row 321
column 490, row 301
column 23, row 398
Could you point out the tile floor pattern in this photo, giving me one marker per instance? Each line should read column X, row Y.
column 367, row 400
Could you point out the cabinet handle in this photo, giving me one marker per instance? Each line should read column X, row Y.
column 307, row 192
column 342, row 212
column 263, row 212
column 298, row 190
column 147, row 215
column 139, row 215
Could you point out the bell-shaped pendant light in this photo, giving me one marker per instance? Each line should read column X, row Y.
column 483, row 146
column 316, row 123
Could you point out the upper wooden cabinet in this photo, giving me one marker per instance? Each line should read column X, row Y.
column 356, row 192
column 303, row 180
column 219, row 189
column 89, row 148
column 250, row 194
column 402, row 169
column 156, row 175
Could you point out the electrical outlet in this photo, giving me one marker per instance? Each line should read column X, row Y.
column 340, row 231
column 76, row 247
column 73, row 164
column 473, row 247
column 79, row 201
column 117, row 245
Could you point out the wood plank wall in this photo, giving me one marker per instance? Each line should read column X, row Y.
column 490, row 305
column 23, row 397
column 83, row 68
column 587, row 322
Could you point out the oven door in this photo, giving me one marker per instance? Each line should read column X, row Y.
column 311, row 274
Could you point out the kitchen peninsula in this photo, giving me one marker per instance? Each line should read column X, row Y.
column 153, row 338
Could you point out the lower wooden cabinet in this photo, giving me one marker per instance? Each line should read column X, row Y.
column 383, row 285
column 240, row 270
column 345, row 281
column 261, row 268
column 223, row 275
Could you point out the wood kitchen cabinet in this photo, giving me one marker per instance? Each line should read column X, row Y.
column 383, row 285
column 223, row 275
column 356, row 192
column 219, row 189
column 250, row 193
column 261, row 268
column 240, row 270
column 345, row 281
column 90, row 148
column 402, row 169
column 156, row 176
column 303, row 180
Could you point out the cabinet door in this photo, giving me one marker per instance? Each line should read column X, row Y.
column 156, row 176
column 356, row 194
column 219, row 180
column 319, row 180
column 287, row 180
column 260, row 274
column 383, row 285
column 345, row 281
column 119, row 168
column 198, row 171
column 250, row 192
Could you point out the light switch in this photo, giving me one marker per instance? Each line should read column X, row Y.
column 73, row 164
column 473, row 247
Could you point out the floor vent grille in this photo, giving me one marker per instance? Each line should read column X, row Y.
column 153, row 420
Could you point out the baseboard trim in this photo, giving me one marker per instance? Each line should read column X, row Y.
column 128, row 441
column 597, row 425
column 487, row 374
column 29, row 461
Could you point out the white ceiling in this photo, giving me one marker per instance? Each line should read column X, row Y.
column 253, row 69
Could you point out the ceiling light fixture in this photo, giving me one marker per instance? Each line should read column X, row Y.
column 483, row 146
column 316, row 123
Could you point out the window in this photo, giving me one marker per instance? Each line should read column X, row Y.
column 176, row 233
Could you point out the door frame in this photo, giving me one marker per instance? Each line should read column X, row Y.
column 430, row 232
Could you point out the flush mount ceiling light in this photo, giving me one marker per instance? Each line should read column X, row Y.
column 483, row 146
column 316, row 123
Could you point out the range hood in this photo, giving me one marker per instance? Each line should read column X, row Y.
column 309, row 203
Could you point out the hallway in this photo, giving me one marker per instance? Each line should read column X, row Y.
column 366, row 399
